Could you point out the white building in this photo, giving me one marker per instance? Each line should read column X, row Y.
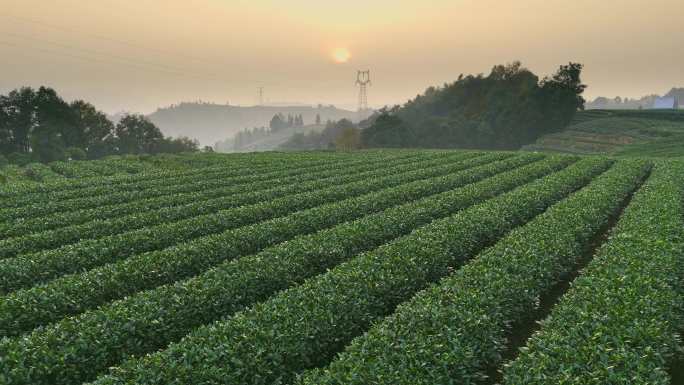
column 665, row 103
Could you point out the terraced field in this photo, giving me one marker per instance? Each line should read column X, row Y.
column 372, row 267
column 653, row 133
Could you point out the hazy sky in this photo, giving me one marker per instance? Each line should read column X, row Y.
column 136, row 55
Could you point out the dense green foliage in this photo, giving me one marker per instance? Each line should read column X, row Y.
column 316, row 319
column 656, row 133
column 288, row 217
column 342, row 135
column 626, row 307
column 145, row 168
column 504, row 110
column 368, row 267
column 257, row 179
column 22, row 207
column 75, row 284
column 236, row 194
column 39, row 125
column 455, row 329
column 112, row 343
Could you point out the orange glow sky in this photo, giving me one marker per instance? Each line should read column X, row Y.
column 137, row 55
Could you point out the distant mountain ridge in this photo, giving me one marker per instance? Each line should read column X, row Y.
column 210, row 122
column 677, row 93
column 645, row 102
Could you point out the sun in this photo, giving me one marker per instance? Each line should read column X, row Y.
column 341, row 55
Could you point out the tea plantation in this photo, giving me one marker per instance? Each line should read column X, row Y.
column 368, row 267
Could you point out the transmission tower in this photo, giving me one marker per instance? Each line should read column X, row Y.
column 260, row 95
column 363, row 81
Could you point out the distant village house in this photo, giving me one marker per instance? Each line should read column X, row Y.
column 666, row 103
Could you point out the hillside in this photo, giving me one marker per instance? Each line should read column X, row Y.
column 271, row 141
column 210, row 123
column 677, row 93
column 644, row 102
column 356, row 267
column 619, row 132
column 504, row 110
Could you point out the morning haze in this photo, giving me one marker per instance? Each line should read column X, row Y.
column 138, row 55
column 341, row 192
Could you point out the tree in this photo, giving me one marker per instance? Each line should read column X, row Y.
column 178, row 145
column 342, row 134
column 318, row 119
column 93, row 129
column 601, row 102
column 75, row 153
column 40, row 125
column 562, row 95
column 388, row 130
column 55, row 127
column 349, row 139
column 17, row 120
column 6, row 130
column 19, row 158
column 332, row 131
column 48, row 145
column 137, row 135
column 506, row 109
column 278, row 122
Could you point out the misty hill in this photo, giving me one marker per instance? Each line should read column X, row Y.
column 644, row 102
column 677, row 93
column 210, row 123
column 263, row 140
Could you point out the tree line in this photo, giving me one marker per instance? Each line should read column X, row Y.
column 506, row 109
column 340, row 135
column 280, row 122
column 38, row 125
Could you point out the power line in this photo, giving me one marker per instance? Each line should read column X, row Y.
column 136, row 61
column 99, row 36
column 96, row 60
